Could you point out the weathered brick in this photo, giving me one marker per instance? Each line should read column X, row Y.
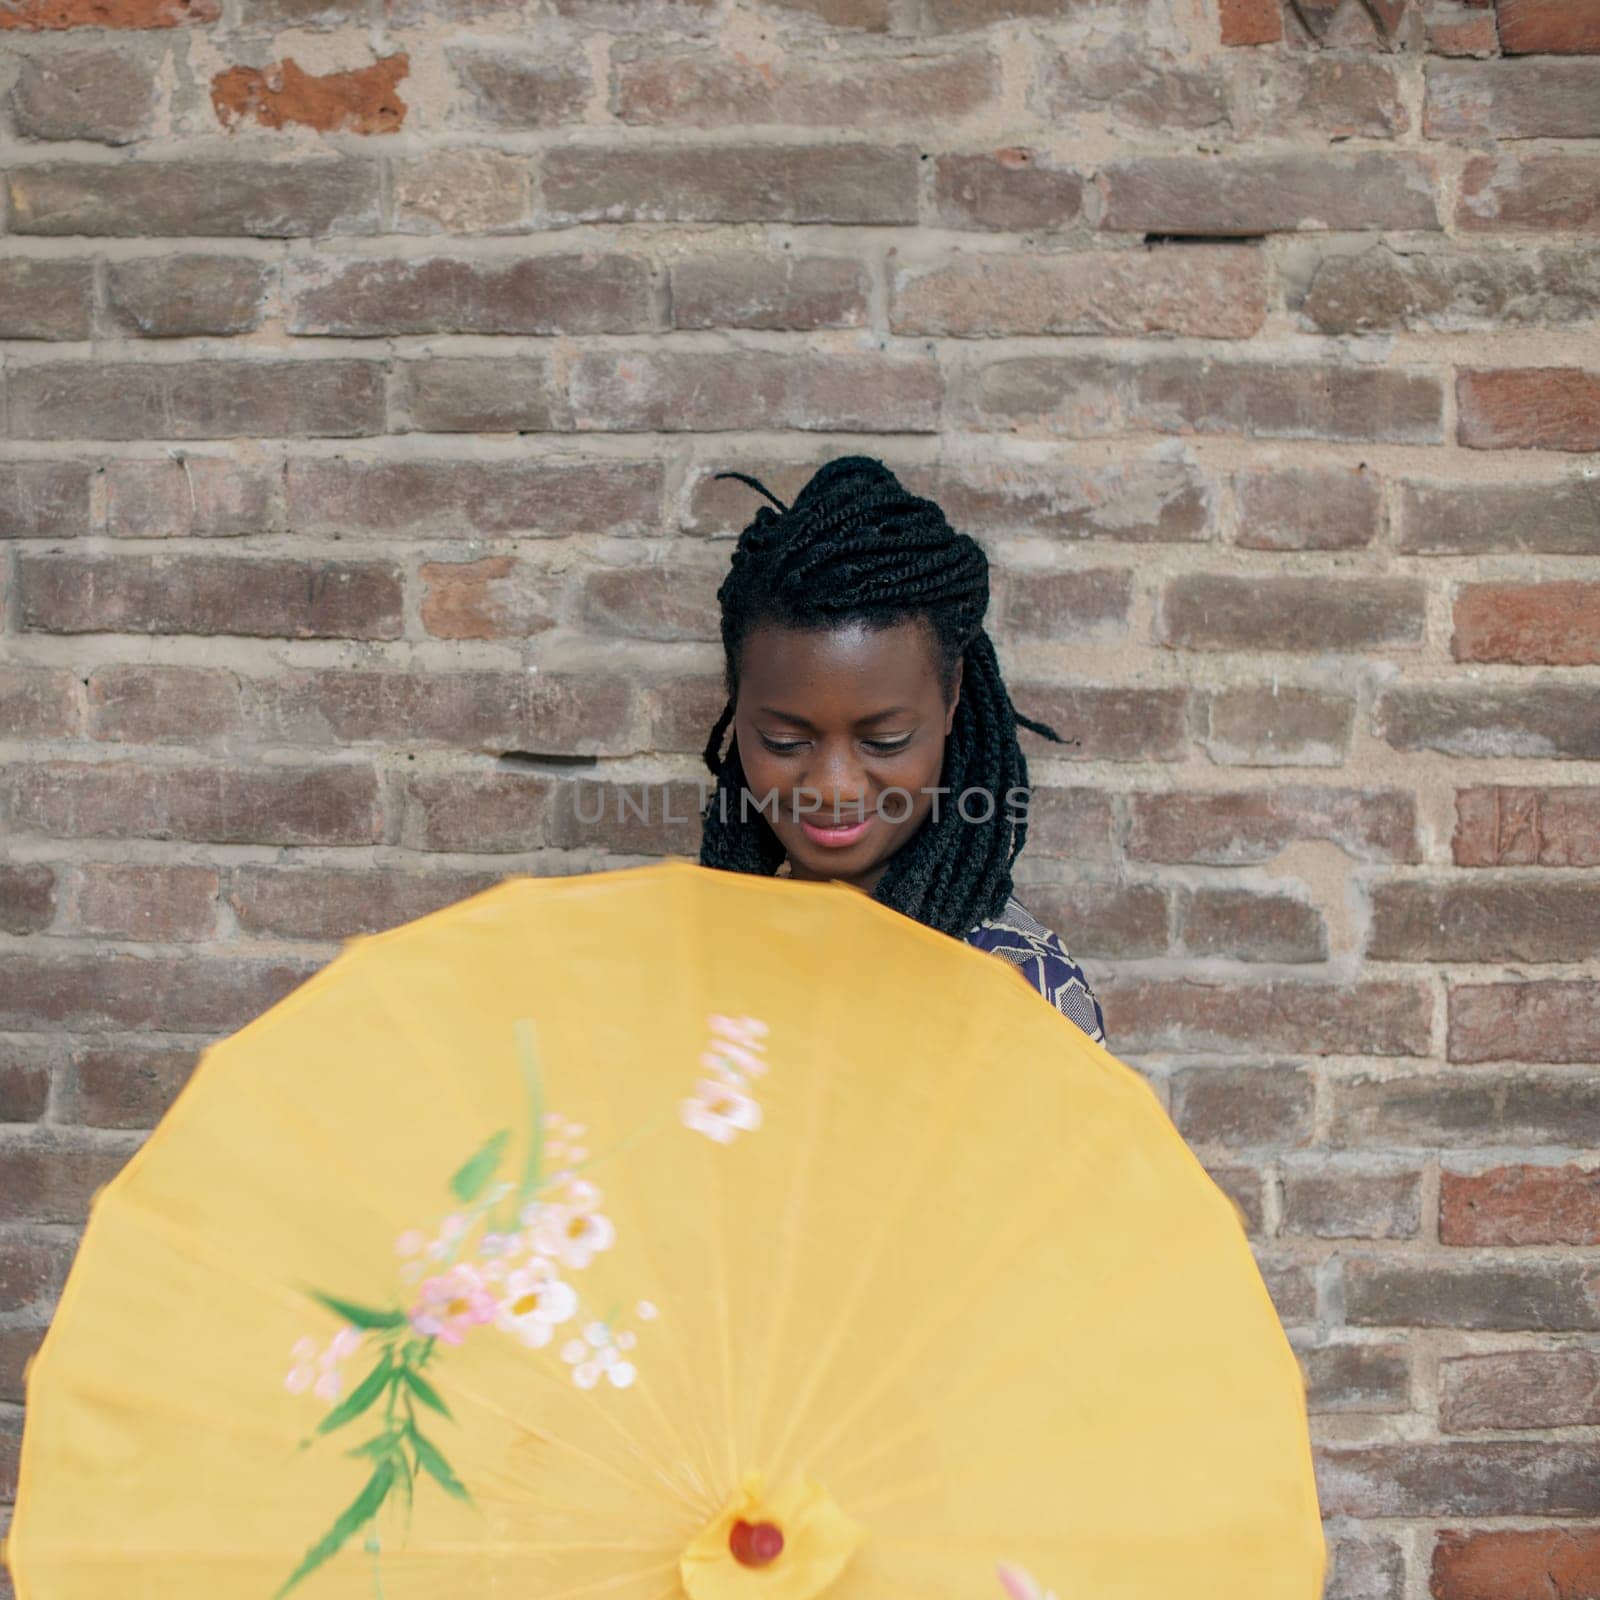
column 1529, row 408
column 1215, row 292
column 1520, row 1205
column 1461, row 28
column 1107, row 723
column 205, row 804
column 1118, row 921
column 316, row 903
column 680, row 710
column 1520, row 1389
column 1319, row 97
column 270, row 15
column 33, row 1269
column 628, row 819
column 1381, row 290
column 37, row 703
column 611, row 16
column 591, row 292
column 1519, row 99
column 1217, row 611
column 1548, row 27
column 105, row 96
column 1359, row 1378
column 474, row 499
column 1250, row 21
column 1073, row 606
column 1244, row 925
column 857, row 183
column 1519, row 920
column 1549, row 1021
column 155, row 904
column 1527, row 827
column 1552, row 721
column 768, row 289
column 46, row 299
column 1269, row 1106
column 126, row 1085
column 1307, row 508
column 955, row 15
column 1526, row 1478
column 1451, row 1110
column 176, row 199
column 1068, row 824
column 192, row 497
column 507, row 92
column 713, row 391
column 701, row 88
column 462, row 191
column 1137, row 86
column 495, row 597
column 1515, row 1564
column 162, row 705
column 1371, row 1567
column 180, row 296
column 868, row 15
column 27, row 899
column 1530, row 624
column 49, row 1179
column 1334, row 1202
column 1011, row 190
column 1548, row 1295
column 1291, row 1285
column 1279, row 726
column 44, row 499
column 1267, row 194
column 48, row 14
column 360, row 100
column 1094, row 397
column 196, row 399
column 659, row 601
column 483, row 811
column 1557, row 517
column 1246, row 826
column 1505, row 193
column 483, row 394
column 1368, row 1018
column 1243, row 1186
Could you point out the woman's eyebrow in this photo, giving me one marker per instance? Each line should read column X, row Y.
column 875, row 716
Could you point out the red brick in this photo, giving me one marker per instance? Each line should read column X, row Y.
column 37, row 703
column 715, row 391
column 1070, row 824
column 27, row 898
column 18, row 1346
column 168, row 994
column 1242, row 827
column 954, row 15
column 1108, row 723
column 1551, row 1296
column 43, row 14
column 1369, row 1018
column 452, row 190
column 1332, row 1202
column 1278, row 726
column 44, row 499
column 157, row 904
column 1372, row 1567
column 1245, row 195
column 1071, row 607
column 1555, row 193
column 49, row 1179
column 274, row 599
column 768, row 290
column 1554, row 721
column 1527, row 827
column 193, row 497
column 1119, row 921
column 1137, row 86
column 205, row 804
column 25, row 1071
column 180, row 296
column 1520, row 1205
column 33, row 1269
column 707, row 88
column 10, row 1457
column 1517, row 920
column 1530, row 624
column 845, row 183
column 1511, row 1564
column 284, row 95
column 1548, row 27
column 1245, row 925
column 496, row 597
column 1520, row 1389
column 1269, row 1106
column 1556, row 516
column 1307, row 508
column 104, row 96
column 162, row 705
column 547, row 713
column 483, row 395
column 326, row 904
column 48, row 299
column 1217, row 611
column 509, row 92
column 483, row 811
column 1550, row 1021
column 592, row 292
column 1517, row 99
column 1327, row 97
column 652, row 602
column 1529, row 408
column 1366, row 1379
column 1455, row 1110
column 1243, row 1187
column 1462, row 31
column 681, row 710
column 196, row 399
column 1250, row 21
column 129, row 1085
column 629, row 819
column 474, row 499
column 1527, row 1478
column 1010, row 190
column 1215, row 292
column 194, row 199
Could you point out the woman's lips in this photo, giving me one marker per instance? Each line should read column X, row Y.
column 835, row 838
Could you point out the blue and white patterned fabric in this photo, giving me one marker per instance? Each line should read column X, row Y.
column 1017, row 936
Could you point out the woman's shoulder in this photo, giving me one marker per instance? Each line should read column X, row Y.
column 1017, row 936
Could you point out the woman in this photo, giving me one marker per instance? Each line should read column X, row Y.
column 873, row 738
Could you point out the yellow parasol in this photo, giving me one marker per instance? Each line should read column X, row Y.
column 661, row 1232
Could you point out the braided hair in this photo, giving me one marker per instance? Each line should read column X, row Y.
column 857, row 546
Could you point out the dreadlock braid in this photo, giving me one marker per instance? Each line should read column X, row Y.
column 856, row 545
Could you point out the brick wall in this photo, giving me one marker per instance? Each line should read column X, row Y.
column 364, row 368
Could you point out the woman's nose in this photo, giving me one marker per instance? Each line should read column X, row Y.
column 836, row 778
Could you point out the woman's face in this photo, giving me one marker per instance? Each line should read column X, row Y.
column 826, row 721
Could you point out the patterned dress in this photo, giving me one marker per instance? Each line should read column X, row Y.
column 1017, row 936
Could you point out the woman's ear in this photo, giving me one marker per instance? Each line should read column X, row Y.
column 955, row 697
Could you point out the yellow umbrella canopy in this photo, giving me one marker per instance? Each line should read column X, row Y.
column 665, row 1232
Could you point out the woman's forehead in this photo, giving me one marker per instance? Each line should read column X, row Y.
column 889, row 663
